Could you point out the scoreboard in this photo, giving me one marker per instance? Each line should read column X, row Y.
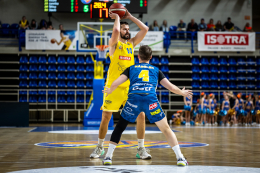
column 96, row 8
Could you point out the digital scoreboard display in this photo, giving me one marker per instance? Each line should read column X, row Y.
column 96, row 8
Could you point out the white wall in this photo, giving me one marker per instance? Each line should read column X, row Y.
column 11, row 11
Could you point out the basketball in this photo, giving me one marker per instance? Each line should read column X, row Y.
column 118, row 9
column 52, row 41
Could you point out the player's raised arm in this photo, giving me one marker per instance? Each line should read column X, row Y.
column 141, row 34
column 116, row 29
column 115, row 84
column 167, row 84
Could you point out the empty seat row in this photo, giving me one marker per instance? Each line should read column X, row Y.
column 60, row 84
column 224, row 85
column 224, row 69
column 52, row 75
column 156, row 60
column 223, row 76
column 53, row 92
column 52, row 99
column 52, row 60
column 225, row 61
column 43, row 67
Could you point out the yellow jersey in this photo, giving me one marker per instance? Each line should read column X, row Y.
column 122, row 58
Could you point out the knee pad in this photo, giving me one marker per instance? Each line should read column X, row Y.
column 120, row 127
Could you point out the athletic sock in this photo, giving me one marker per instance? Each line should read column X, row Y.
column 110, row 150
column 101, row 142
column 177, row 151
column 140, row 143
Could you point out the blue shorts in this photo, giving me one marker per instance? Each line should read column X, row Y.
column 137, row 103
column 187, row 108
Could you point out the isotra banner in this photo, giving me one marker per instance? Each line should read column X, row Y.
column 226, row 41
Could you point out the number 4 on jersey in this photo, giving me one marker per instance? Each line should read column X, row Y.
column 144, row 74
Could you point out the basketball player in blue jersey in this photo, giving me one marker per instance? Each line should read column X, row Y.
column 187, row 108
column 142, row 97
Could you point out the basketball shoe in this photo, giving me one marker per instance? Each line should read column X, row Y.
column 182, row 162
column 98, row 151
column 143, row 153
column 107, row 161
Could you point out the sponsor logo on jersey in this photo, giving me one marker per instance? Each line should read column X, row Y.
column 156, row 112
column 129, row 109
column 132, row 105
column 120, row 47
column 153, row 106
column 108, row 101
column 125, row 58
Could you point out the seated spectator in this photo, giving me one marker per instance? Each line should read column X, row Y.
column 219, row 26
column 61, row 27
column 229, row 26
column 192, row 27
column 154, row 26
column 247, row 28
column 202, row 26
column 33, row 24
column 181, row 26
column 177, row 118
column 50, row 27
column 43, row 25
column 24, row 24
column 164, row 27
column 211, row 26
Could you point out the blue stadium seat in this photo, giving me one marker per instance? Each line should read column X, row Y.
column 15, row 28
column 23, row 83
column 195, row 61
column 33, row 92
column 89, row 76
column 51, row 99
column 204, row 61
column 258, row 61
column 251, row 85
column 107, row 61
column 5, row 28
column 80, row 84
column 33, row 60
column 232, row 69
column 52, row 84
column 42, row 92
column 241, row 61
column 61, row 75
column 89, row 84
column 155, row 60
column 80, row 68
column 214, row 69
column 42, row 83
column 70, row 92
column 52, row 67
column 51, row 92
column 71, row 76
column 88, row 93
column 42, row 67
column 89, row 68
column 204, row 76
column 61, row 99
column 33, row 99
column 166, row 75
column 23, row 98
column 32, row 75
column 213, row 61
column 258, row 76
column 80, row 99
column 165, row 99
column 232, row 61
column 61, row 68
column 71, row 68
column 232, row 85
column 80, row 92
column 195, row 84
column 70, row 99
column 164, row 60
column 23, row 67
column 71, row 60
column 33, row 68
column 196, row 94
column 241, row 77
column 80, row 76
column 61, row 92
column 42, row 75
column 204, row 69
column 52, row 75
column 23, row 60
column 251, row 60
column 70, row 84
column 87, row 99
column 106, row 68
column 52, row 60
column 223, row 85
column 32, row 83
column 223, row 69
column 223, row 61
column 232, row 76
column 89, row 60
column 61, row 60
column 165, row 93
column 42, row 60
column 250, row 77
column 80, row 60
column 195, row 69
column 241, row 69
column 204, row 84
column 61, row 84
column 213, row 76
column 251, row 69
column 222, row 76
column 258, row 85
column 213, row 85
column 23, row 76
column 164, row 68
column 42, row 99
column 258, row 69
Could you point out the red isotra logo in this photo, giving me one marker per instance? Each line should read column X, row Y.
column 125, row 58
column 226, row 39
column 152, row 106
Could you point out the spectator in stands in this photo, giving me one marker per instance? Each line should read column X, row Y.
column 192, row 26
column 24, row 24
column 211, row 26
column 247, row 28
column 154, row 26
column 202, row 26
column 43, row 24
column 50, row 27
column 33, row 25
column 181, row 26
column 229, row 26
column 164, row 27
column 61, row 27
column 219, row 26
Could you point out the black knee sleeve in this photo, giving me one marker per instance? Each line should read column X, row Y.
column 120, row 127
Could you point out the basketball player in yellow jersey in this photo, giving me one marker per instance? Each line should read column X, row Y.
column 121, row 51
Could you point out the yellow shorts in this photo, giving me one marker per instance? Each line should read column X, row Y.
column 113, row 102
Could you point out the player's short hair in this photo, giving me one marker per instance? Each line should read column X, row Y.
column 145, row 52
column 123, row 23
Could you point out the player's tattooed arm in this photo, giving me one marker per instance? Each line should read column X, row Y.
column 115, row 84
column 167, row 84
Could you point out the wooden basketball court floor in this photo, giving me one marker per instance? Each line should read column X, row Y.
column 66, row 148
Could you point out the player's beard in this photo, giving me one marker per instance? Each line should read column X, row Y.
column 126, row 36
